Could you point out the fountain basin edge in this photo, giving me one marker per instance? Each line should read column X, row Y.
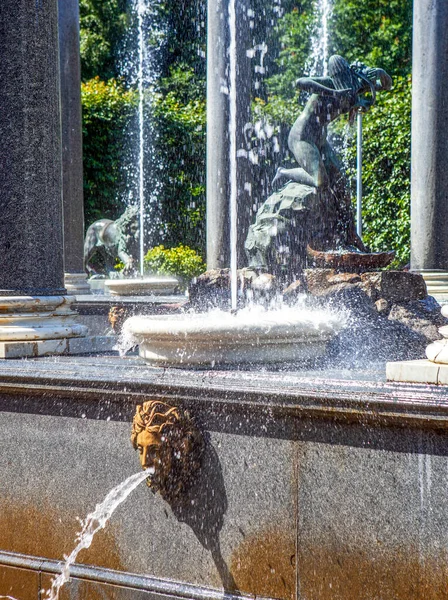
column 227, row 339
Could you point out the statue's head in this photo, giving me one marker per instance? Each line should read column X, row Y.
column 362, row 80
column 169, row 445
column 128, row 222
column 341, row 74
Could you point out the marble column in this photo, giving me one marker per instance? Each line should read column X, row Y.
column 429, row 178
column 35, row 314
column 72, row 176
column 217, row 135
column 218, row 158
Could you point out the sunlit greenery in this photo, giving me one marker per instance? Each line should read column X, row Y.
column 377, row 32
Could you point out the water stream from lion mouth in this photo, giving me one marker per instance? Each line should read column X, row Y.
column 95, row 521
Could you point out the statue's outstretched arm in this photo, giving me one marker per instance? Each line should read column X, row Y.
column 321, row 85
column 383, row 80
column 380, row 80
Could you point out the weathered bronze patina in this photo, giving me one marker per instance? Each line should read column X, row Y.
column 168, row 442
column 107, row 240
column 314, row 208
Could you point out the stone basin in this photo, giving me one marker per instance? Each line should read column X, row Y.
column 218, row 337
column 153, row 285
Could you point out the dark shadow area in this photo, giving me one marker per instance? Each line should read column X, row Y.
column 203, row 506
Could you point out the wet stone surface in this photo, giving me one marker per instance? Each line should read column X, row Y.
column 314, row 483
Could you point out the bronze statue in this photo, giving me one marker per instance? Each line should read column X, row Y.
column 314, row 209
column 169, row 442
column 107, row 240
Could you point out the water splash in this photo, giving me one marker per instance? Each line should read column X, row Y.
column 320, row 39
column 93, row 523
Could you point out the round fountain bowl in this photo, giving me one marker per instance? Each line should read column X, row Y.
column 158, row 285
column 222, row 338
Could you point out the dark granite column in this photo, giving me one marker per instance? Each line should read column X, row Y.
column 429, row 189
column 72, row 179
column 30, row 150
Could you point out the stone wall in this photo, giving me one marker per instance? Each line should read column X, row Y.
column 309, row 488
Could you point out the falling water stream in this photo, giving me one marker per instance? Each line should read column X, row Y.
column 319, row 42
column 141, row 173
column 95, row 521
column 233, row 165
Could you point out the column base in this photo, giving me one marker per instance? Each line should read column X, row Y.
column 417, row 371
column 437, row 284
column 67, row 346
column 76, row 284
column 433, row 370
column 44, row 325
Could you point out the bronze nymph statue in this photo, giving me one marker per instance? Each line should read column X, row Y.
column 314, row 209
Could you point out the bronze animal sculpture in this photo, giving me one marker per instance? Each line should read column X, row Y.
column 314, row 209
column 169, row 442
column 107, row 240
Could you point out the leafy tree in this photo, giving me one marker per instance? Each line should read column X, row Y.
column 103, row 26
column 377, row 32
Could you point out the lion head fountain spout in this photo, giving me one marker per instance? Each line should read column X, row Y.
column 170, row 447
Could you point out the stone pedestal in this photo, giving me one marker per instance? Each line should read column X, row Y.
column 35, row 314
column 437, row 284
column 76, row 284
column 433, row 370
column 429, row 176
column 72, row 176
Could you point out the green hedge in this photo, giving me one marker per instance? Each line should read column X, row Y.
column 387, row 171
column 108, row 110
column 177, row 162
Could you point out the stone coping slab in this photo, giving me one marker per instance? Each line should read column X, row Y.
column 48, row 347
column 360, row 396
column 418, row 371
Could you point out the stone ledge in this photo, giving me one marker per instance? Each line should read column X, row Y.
column 66, row 346
column 417, row 371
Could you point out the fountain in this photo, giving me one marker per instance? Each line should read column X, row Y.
column 124, row 240
column 324, row 483
column 308, row 223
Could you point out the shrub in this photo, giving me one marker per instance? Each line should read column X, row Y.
column 180, row 261
column 108, row 108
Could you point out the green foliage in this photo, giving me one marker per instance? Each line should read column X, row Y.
column 386, row 172
column 103, row 25
column 179, row 110
column 293, row 31
column 180, row 261
column 108, row 109
column 377, row 32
